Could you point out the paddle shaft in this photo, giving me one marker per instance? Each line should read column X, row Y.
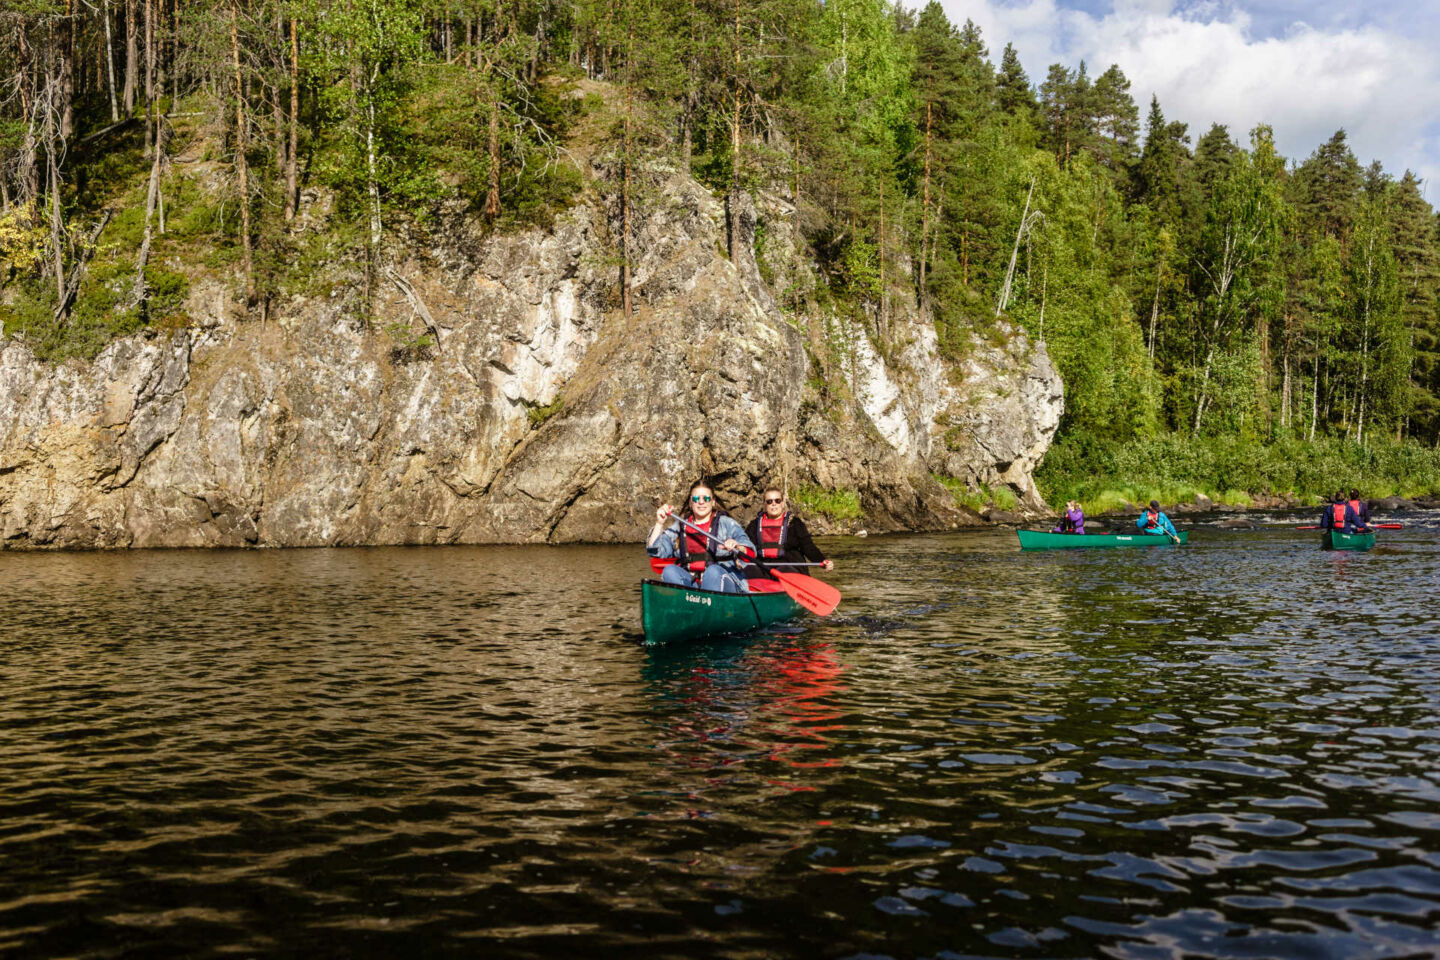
column 711, row 537
column 783, row 563
column 1371, row 526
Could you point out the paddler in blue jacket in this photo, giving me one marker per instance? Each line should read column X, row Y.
column 1152, row 521
column 710, row 564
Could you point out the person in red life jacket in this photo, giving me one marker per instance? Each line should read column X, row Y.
column 1361, row 508
column 711, row 564
column 1339, row 515
column 1154, row 522
column 781, row 537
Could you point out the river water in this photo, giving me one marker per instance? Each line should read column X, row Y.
column 1230, row 749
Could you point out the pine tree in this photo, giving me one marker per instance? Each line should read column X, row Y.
column 1329, row 184
column 1117, row 123
column 1012, row 86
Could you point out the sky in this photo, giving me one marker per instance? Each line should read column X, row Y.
column 1306, row 67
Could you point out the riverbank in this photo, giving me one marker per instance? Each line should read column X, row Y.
column 1188, row 474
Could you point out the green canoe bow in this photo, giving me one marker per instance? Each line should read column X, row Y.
column 1043, row 540
column 672, row 613
column 1339, row 540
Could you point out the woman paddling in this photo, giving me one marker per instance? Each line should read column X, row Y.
column 782, row 537
column 1073, row 521
column 711, row 564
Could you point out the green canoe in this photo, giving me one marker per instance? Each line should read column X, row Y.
column 1043, row 540
column 1339, row 540
column 672, row 613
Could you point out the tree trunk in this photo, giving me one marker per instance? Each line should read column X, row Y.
column 1201, row 400
column 242, row 170
column 110, row 64
column 884, row 316
column 734, row 137
column 292, row 198
column 27, row 172
column 688, row 109
column 140, row 292
column 1154, row 314
column 132, row 59
column 67, row 71
column 625, row 167
column 492, row 149
column 1004, row 298
column 56, row 242
column 150, row 73
column 925, row 221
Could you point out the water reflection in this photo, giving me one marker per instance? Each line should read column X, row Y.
column 1227, row 750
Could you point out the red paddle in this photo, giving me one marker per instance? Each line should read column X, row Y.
column 1373, row 526
column 817, row 596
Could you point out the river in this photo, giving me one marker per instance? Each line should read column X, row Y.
column 1229, row 749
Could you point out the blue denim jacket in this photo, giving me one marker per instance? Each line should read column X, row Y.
column 665, row 546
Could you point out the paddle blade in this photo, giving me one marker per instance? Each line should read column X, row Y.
column 1387, row 526
column 817, row 596
column 659, row 565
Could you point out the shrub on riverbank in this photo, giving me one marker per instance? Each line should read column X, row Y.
column 1173, row 468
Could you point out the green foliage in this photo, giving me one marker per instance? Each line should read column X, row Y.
column 1173, row 468
column 840, row 504
column 539, row 413
column 979, row 497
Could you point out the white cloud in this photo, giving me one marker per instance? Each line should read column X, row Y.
column 1210, row 63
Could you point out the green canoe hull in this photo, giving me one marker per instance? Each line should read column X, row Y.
column 1041, row 540
column 672, row 613
column 1339, row 540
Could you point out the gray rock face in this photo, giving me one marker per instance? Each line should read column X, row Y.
column 540, row 414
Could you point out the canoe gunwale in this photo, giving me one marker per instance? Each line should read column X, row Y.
column 1048, row 540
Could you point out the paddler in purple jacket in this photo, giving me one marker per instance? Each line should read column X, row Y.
column 1073, row 521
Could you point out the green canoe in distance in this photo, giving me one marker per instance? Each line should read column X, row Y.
column 672, row 613
column 1340, row 540
column 1044, row 540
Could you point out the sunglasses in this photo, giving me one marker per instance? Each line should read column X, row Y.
column 774, row 499
column 699, row 499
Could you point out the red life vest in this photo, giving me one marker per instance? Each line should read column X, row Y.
column 1355, row 505
column 772, row 535
column 1339, row 516
column 693, row 549
column 1152, row 520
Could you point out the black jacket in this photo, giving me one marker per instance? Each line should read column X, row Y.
column 799, row 548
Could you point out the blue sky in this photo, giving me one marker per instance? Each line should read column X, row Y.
column 1306, row 67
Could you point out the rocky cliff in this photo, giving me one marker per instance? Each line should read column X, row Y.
column 531, row 412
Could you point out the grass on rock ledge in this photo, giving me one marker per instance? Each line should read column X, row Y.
column 835, row 504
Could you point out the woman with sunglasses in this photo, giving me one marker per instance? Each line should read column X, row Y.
column 699, row 560
column 782, row 536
